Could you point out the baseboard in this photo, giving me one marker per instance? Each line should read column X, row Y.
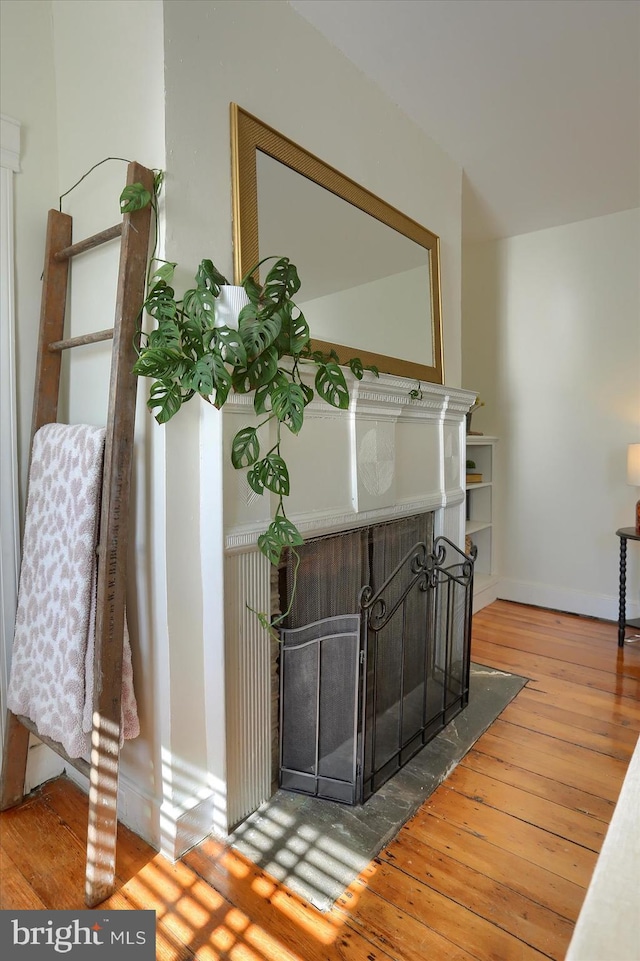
column 170, row 830
column 191, row 827
column 43, row 764
column 138, row 811
column 167, row 828
column 485, row 591
column 602, row 606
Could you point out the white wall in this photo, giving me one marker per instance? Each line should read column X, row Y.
column 552, row 343
column 26, row 38
column 29, row 96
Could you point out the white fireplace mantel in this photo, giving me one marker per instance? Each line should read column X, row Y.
column 388, row 455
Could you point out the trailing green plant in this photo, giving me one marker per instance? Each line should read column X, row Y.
column 190, row 353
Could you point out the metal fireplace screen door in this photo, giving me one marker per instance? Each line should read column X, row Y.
column 369, row 675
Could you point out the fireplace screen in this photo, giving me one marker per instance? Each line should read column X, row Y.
column 369, row 674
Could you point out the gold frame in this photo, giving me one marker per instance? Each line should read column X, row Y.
column 248, row 135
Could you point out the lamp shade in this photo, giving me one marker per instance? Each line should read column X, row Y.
column 633, row 465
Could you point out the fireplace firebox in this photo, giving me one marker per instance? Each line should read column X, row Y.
column 375, row 655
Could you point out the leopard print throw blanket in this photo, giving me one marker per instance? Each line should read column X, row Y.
column 51, row 679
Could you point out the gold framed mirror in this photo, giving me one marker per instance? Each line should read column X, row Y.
column 370, row 275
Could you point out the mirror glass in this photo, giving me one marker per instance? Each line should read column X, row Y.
column 370, row 275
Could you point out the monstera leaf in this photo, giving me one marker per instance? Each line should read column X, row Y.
column 288, row 405
column 332, row 386
column 271, row 473
column 257, row 333
column 165, row 400
column 281, row 533
column 245, row 448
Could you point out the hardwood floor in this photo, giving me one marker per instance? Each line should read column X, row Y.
column 493, row 866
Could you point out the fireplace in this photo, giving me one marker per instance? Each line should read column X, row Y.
column 375, row 654
column 390, row 458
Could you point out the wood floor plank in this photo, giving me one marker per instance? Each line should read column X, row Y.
column 610, row 773
column 570, row 861
column 588, row 634
column 532, row 665
column 529, row 736
column 316, row 936
column 198, row 917
column 615, row 710
column 48, row 853
column 132, row 852
column 168, row 947
column 532, row 710
column 560, row 648
column 561, row 730
column 584, row 704
column 538, row 884
column 15, row 888
column 455, row 923
column 587, row 640
column 540, row 620
column 541, row 812
column 396, row 930
column 573, row 773
column 495, row 901
column 546, row 787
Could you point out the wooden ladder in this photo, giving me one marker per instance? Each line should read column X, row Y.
column 102, row 770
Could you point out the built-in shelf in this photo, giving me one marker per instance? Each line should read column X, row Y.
column 480, row 517
column 481, row 584
column 473, row 527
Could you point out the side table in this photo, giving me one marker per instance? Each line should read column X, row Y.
column 625, row 534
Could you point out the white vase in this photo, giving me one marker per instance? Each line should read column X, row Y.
column 229, row 303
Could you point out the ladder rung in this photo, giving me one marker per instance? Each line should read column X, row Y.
column 78, row 763
column 82, row 339
column 94, row 241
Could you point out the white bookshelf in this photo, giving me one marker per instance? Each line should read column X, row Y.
column 480, row 518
